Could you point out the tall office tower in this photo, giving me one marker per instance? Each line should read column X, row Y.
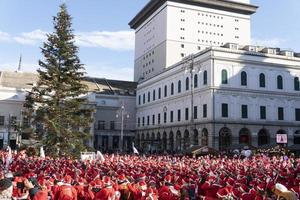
column 168, row 30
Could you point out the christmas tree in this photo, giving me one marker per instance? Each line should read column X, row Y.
column 57, row 104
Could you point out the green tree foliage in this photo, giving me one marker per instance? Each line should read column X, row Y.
column 56, row 104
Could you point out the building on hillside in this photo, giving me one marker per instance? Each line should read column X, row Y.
column 168, row 30
column 113, row 100
column 221, row 96
column 106, row 97
column 13, row 88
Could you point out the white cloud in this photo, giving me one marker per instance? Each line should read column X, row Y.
column 119, row 40
column 4, row 36
column 269, row 42
column 31, row 38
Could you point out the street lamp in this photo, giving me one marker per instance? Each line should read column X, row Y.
column 190, row 68
column 123, row 114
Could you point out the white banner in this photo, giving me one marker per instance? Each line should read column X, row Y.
column 281, row 138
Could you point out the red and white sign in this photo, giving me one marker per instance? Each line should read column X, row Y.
column 281, row 138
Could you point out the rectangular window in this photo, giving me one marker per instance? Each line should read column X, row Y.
column 139, row 99
column 263, row 112
column 112, row 125
column 171, row 116
column 153, row 119
column 144, row 98
column 143, row 122
column 244, row 111
column 158, row 118
column 165, row 117
column 297, row 114
column 153, row 96
column 101, row 125
column 224, row 110
column 159, row 93
column 280, row 113
column 139, row 122
column 195, row 112
column 204, row 110
column 186, row 113
column 179, row 115
column 149, row 97
column 148, row 120
column 2, row 119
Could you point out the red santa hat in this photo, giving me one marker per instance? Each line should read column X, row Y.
column 68, row 179
column 168, row 178
column 142, row 185
column 106, row 180
column 230, row 181
column 236, row 193
column 243, row 188
column 261, row 187
column 222, row 193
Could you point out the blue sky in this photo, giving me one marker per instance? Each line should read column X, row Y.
column 105, row 40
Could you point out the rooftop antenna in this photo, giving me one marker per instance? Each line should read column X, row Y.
column 20, row 63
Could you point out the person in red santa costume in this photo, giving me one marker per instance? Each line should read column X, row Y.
column 107, row 192
column 66, row 191
column 168, row 191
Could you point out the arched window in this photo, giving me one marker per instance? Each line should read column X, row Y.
column 149, row 96
column 244, row 78
column 195, row 81
column 296, row 84
column 263, row 137
column 153, row 95
column 166, row 91
column 187, row 83
column 172, row 88
column 205, row 77
column 262, row 80
column 224, row 76
column 297, row 137
column 244, row 136
column 159, row 93
column 204, row 139
column 224, row 138
column 279, row 82
column 179, row 86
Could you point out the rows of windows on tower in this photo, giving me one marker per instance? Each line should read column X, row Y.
column 156, row 118
column 224, row 80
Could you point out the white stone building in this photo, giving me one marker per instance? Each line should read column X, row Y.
column 220, row 96
column 105, row 96
column 168, row 30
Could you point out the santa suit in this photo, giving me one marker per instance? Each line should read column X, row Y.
column 210, row 190
column 168, row 193
column 66, row 192
column 107, row 193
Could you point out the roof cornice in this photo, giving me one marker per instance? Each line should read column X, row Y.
column 224, row 5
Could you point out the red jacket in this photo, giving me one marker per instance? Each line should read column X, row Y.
column 66, row 192
column 105, row 194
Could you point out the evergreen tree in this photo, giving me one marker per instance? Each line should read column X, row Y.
column 57, row 104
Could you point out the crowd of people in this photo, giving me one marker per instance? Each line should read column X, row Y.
column 136, row 177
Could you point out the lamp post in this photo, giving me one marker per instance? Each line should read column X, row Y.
column 189, row 68
column 123, row 114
